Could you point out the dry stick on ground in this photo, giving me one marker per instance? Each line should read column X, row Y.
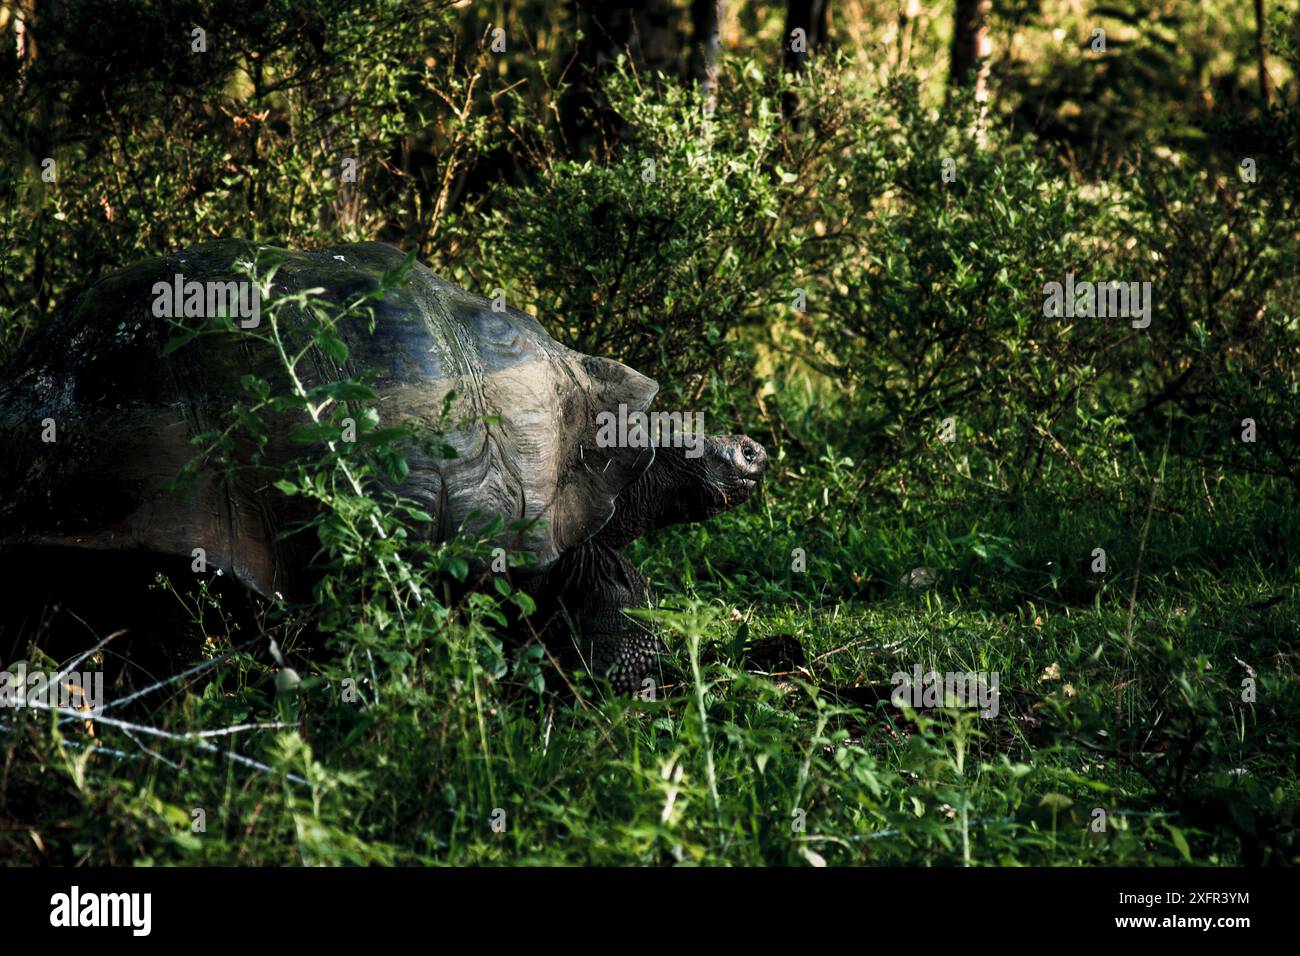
column 198, row 737
column 63, row 672
column 837, row 650
column 176, row 679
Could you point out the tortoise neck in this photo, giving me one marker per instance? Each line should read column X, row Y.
column 670, row 491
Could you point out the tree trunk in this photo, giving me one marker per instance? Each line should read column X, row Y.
column 805, row 31
column 646, row 31
column 706, row 25
column 971, row 47
column 1261, row 50
column 810, row 17
column 656, row 33
column 908, row 11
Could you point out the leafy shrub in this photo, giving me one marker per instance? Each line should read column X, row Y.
column 661, row 254
column 156, row 146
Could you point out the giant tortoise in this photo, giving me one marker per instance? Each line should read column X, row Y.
column 98, row 410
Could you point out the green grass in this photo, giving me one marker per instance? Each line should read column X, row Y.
column 1142, row 719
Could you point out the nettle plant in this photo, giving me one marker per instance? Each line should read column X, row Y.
column 382, row 587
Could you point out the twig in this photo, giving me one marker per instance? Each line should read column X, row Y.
column 98, row 647
column 196, row 669
column 838, row 650
column 195, row 737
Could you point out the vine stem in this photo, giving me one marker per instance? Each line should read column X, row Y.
column 300, row 391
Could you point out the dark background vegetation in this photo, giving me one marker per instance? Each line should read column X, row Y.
column 769, row 235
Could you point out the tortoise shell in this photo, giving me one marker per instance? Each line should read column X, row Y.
column 124, row 409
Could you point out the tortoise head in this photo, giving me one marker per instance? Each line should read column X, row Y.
column 724, row 475
column 689, row 482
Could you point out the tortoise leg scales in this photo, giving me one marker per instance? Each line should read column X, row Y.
column 593, row 585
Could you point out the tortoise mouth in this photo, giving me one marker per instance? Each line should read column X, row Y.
column 738, row 491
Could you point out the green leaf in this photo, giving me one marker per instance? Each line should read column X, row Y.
column 1057, row 802
column 179, row 341
column 1180, row 841
column 333, row 346
column 287, row 681
column 311, row 434
column 348, row 390
column 382, row 436
column 396, row 468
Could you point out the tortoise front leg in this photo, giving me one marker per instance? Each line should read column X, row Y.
column 592, row 585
